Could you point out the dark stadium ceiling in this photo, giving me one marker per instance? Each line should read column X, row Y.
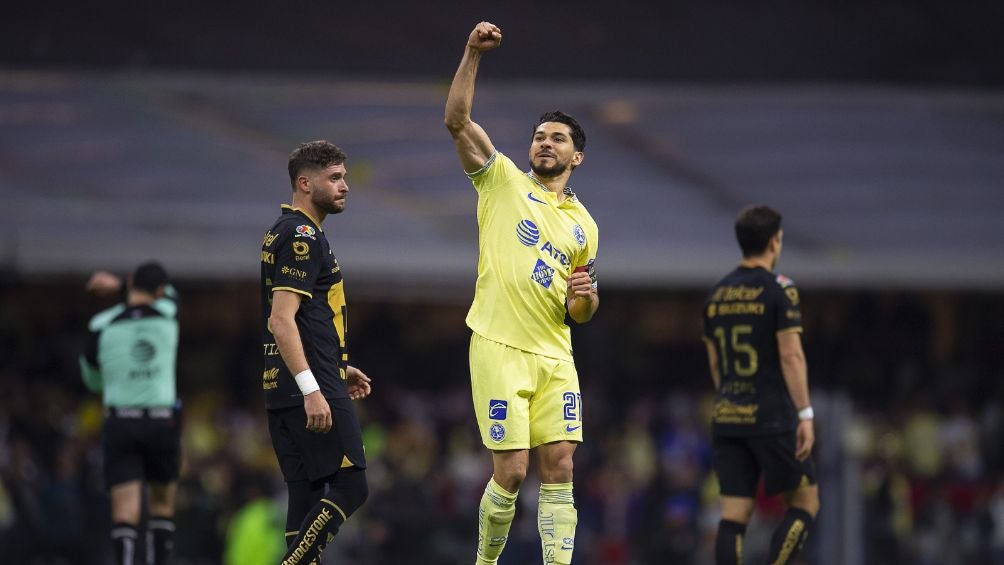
column 722, row 41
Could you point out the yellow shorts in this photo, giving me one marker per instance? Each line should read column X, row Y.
column 522, row 399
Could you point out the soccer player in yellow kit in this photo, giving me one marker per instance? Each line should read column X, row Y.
column 537, row 249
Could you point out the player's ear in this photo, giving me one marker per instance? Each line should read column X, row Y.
column 303, row 183
column 775, row 241
column 577, row 158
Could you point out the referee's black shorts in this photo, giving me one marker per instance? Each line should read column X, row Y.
column 311, row 456
column 141, row 443
column 740, row 461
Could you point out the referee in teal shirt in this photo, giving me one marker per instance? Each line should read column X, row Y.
column 130, row 359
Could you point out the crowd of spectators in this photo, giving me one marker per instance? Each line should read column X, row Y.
column 924, row 438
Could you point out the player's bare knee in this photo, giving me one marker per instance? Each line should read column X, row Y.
column 510, row 477
column 556, row 463
column 737, row 509
column 805, row 498
column 737, row 517
column 126, row 513
column 162, row 498
column 509, row 468
column 161, row 508
column 557, row 469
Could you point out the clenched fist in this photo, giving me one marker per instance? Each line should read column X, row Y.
column 486, row 36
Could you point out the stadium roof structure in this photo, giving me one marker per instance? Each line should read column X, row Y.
column 889, row 187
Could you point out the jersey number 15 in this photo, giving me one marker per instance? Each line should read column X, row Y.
column 742, row 353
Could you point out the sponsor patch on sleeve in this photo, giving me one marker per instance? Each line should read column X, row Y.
column 304, row 230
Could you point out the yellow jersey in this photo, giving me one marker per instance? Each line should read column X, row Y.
column 529, row 244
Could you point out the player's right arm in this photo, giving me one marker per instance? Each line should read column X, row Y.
column 90, row 370
column 473, row 145
column 716, row 376
column 282, row 322
column 796, row 376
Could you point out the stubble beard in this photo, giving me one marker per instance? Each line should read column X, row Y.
column 548, row 172
column 329, row 206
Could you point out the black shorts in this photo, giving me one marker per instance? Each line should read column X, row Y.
column 142, row 447
column 739, row 462
column 310, row 456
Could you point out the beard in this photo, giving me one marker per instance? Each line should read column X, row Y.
column 548, row 172
column 327, row 204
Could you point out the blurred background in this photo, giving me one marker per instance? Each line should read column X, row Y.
column 131, row 131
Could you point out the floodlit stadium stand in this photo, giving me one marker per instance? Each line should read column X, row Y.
column 880, row 186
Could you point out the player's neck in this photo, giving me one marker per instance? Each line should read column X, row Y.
column 305, row 205
column 553, row 184
column 765, row 261
column 139, row 298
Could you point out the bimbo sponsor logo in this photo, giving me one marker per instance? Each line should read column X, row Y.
column 542, row 274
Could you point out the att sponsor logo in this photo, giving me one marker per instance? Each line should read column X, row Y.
column 555, row 253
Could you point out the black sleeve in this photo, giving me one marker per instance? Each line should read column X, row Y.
column 91, row 348
column 788, row 311
column 297, row 262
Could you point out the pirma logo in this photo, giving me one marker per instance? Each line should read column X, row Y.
column 497, row 432
column 527, row 233
column 498, row 409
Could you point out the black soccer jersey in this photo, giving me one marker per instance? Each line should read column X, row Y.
column 296, row 257
column 743, row 315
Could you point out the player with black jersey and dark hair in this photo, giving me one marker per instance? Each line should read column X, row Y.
column 762, row 423
column 309, row 385
column 130, row 358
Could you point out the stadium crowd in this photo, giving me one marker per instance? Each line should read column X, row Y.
column 925, row 436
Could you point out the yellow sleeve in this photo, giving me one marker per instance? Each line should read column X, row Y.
column 587, row 256
column 498, row 171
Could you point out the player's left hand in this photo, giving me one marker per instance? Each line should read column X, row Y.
column 103, row 283
column 805, row 436
column 359, row 383
column 580, row 285
column 485, row 37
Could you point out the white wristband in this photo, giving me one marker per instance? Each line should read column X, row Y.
column 806, row 413
column 306, row 381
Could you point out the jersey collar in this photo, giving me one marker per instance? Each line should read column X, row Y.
column 567, row 191
column 292, row 208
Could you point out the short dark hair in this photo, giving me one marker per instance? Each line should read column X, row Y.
column 313, row 155
column 149, row 277
column 578, row 136
column 755, row 226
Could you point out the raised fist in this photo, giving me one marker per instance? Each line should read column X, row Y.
column 486, row 36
